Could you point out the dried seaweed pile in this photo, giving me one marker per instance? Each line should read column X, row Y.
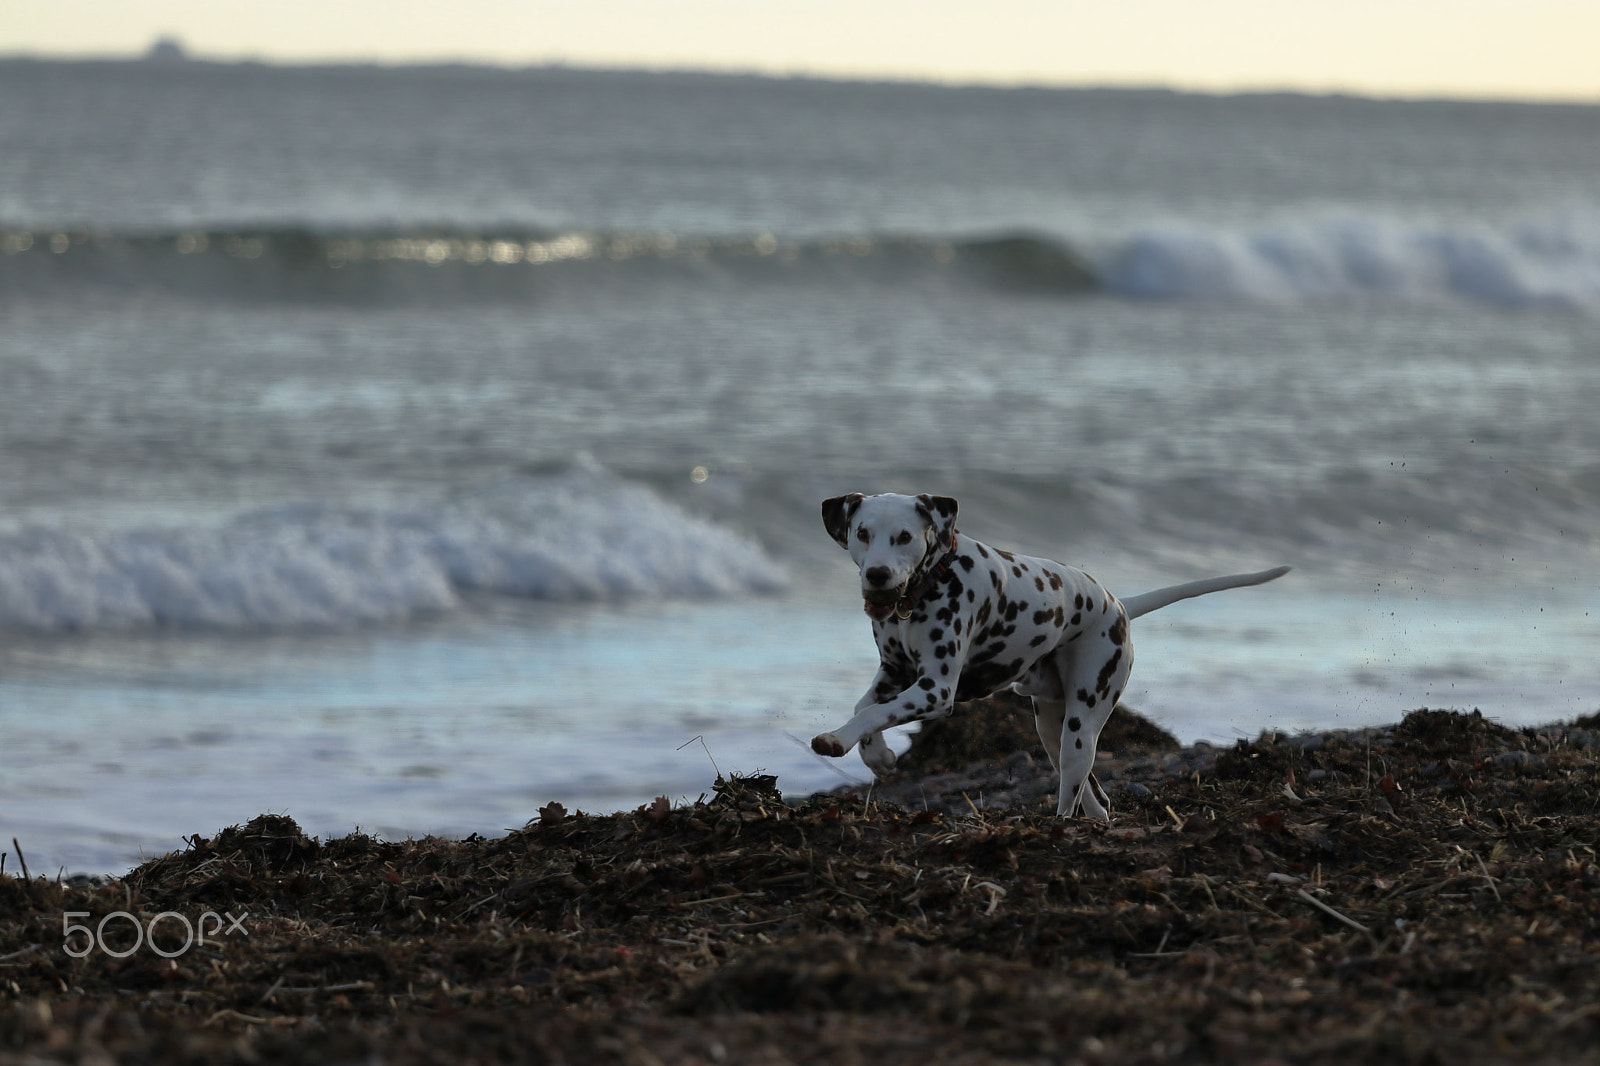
column 1426, row 893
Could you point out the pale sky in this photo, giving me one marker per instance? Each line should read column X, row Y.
column 1526, row 49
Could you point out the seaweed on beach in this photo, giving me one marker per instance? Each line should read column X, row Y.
column 1424, row 893
column 1000, row 725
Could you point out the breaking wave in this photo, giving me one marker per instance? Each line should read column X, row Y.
column 451, row 265
column 1549, row 260
column 581, row 535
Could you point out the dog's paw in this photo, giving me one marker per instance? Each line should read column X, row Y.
column 827, row 744
column 879, row 759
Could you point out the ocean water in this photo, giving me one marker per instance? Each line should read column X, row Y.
column 409, row 448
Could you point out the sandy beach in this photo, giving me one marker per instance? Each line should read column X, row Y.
column 1422, row 893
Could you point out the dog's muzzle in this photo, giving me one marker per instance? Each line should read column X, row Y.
column 880, row 603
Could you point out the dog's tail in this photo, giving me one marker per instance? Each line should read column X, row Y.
column 1154, row 601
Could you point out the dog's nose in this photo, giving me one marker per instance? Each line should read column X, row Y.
column 877, row 576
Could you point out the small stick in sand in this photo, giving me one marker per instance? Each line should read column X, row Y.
column 23, row 861
column 702, row 739
column 1489, row 878
column 1324, row 908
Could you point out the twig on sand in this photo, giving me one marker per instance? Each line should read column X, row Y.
column 1487, row 876
column 702, row 739
column 232, row 1015
column 25, row 875
column 1330, row 912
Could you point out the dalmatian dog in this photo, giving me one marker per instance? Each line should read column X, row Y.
column 955, row 619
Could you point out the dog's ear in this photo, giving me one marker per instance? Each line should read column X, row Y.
column 941, row 512
column 836, row 515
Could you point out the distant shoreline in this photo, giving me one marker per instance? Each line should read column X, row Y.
column 734, row 75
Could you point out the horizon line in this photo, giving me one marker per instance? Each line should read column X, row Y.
column 1031, row 83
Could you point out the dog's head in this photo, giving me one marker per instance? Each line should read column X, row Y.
column 892, row 538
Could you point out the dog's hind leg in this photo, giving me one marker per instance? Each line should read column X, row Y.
column 1048, row 717
column 1093, row 675
column 1078, row 789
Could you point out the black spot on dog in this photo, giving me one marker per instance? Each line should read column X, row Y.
column 1038, row 583
column 982, row 550
column 1074, row 723
column 1119, row 630
column 1007, row 556
column 1041, row 617
column 970, row 596
column 1016, row 571
column 1089, row 606
column 925, row 683
column 1061, row 616
column 1083, row 695
column 1038, row 640
column 1103, row 682
column 944, row 669
column 965, row 561
column 1077, row 616
column 909, row 706
column 1078, row 743
column 1077, row 601
column 936, row 633
column 940, row 652
column 982, row 680
column 1055, row 580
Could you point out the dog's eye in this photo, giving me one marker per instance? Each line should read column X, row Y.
column 904, row 537
column 862, row 535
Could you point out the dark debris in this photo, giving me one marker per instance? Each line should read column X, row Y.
column 1426, row 893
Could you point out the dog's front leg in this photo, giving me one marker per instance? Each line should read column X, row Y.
column 877, row 754
column 831, row 744
column 875, row 751
column 914, row 704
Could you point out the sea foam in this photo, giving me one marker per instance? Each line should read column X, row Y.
column 580, row 535
column 1548, row 261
